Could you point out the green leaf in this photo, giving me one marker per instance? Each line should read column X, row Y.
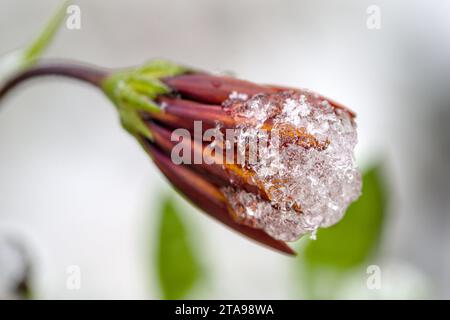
column 35, row 50
column 176, row 263
column 355, row 237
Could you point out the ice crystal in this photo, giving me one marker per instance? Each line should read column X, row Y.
column 308, row 180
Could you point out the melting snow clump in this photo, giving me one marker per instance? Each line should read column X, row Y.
column 306, row 177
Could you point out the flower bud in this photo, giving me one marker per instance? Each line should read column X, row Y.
column 304, row 179
column 272, row 163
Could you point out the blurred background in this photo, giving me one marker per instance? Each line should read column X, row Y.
column 85, row 214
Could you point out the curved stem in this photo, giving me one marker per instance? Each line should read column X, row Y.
column 89, row 74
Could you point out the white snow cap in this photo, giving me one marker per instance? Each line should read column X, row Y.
column 310, row 177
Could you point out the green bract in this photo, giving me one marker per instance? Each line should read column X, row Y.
column 134, row 90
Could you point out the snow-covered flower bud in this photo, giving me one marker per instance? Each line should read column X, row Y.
column 272, row 163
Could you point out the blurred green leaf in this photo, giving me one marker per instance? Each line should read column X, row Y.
column 35, row 50
column 353, row 239
column 176, row 263
column 26, row 57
